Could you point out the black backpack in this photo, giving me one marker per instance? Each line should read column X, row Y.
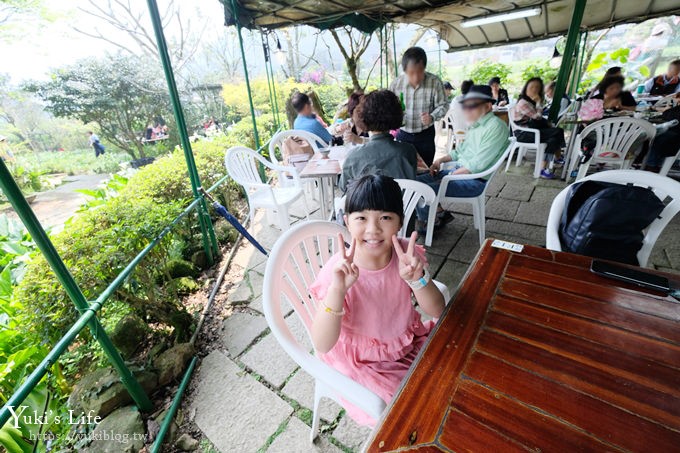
column 605, row 220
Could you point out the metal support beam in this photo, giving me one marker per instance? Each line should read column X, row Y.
column 394, row 49
column 30, row 221
column 568, row 57
column 234, row 8
column 207, row 232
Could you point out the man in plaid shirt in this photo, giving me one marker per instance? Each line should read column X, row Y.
column 423, row 100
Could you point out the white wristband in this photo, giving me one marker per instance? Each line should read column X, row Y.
column 421, row 282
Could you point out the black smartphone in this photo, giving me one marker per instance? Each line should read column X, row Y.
column 634, row 276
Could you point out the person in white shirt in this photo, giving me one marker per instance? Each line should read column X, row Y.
column 456, row 109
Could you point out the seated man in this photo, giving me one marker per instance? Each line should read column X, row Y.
column 485, row 142
column 666, row 144
column 306, row 119
column 665, row 84
column 380, row 112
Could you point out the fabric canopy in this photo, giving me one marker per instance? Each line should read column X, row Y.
column 445, row 16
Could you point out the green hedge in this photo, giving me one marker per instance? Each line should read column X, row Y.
column 97, row 244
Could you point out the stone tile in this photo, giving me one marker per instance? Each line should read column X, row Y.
column 496, row 184
column 462, row 208
column 451, row 274
column 350, row 434
column 517, row 191
column 232, row 409
column 301, row 388
column 444, row 239
column 241, row 294
column 673, row 254
column 658, row 258
column 299, row 331
column 270, row 361
column 533, row 213
column 435, row 261
column 255, row 280
column 256, row 304
column 499, row 208
column 295, row 439
column 546, row 193
column 239, row 330
column 467, row 247
column 532, row 234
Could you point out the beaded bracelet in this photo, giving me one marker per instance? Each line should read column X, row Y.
column 329, row 310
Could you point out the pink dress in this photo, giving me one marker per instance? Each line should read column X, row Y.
column 381, row 331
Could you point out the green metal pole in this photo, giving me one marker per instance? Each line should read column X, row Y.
column 567, row 59
column 245, row 72
column 276, row 101
column 394, row 48
column 207, row 232
column 30, row 221
column 439, row 53
column 170, row 415
column 382, row 48
column 387, row 56
column 265, row 51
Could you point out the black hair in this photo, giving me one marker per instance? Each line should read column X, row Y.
column 609, row 81
column 448, row 86
column 374, row 193
column 674, row 62
column 353, row 101
column 493, row 80
column 381, row 111
column 551, row 85
column 300, row 101
column 465, row 86
column 414, row 55
column 526, row 85
column 613, row 71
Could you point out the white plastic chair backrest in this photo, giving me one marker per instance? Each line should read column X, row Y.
column 666, row 102
column 241, row 163
column 616, row 135
column 412, row 194
column 511, row 119
column 278, row 139
column 293, row 264
column 667, row 189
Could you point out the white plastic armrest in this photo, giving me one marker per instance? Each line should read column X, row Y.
column 290, row 170
column 462, row 176
column 345, row 387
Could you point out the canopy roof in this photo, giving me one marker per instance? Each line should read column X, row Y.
column 445, row 16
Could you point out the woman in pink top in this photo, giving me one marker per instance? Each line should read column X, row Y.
column 366, row 326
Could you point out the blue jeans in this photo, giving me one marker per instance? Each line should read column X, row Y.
column 466, row 188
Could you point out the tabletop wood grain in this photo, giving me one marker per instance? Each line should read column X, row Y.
column 537, row 353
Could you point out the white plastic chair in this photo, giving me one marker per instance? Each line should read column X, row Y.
column 312, row 139
column 662, row 186
column 669, row 161
column 666, row 102
column 293, row 264
column 479, row 202
column 278, row 139
column 522, row 148
column 413, row 194
column 241, row 163
column 614, row 138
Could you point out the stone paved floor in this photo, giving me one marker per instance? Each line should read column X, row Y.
column 252, row 397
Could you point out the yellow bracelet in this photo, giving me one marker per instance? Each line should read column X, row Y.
column 329, row 310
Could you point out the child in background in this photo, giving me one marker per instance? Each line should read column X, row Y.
column 366, row 326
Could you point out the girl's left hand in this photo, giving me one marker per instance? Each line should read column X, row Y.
column 410, row 265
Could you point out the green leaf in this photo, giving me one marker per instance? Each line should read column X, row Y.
column 14, row 248
column 644, row 70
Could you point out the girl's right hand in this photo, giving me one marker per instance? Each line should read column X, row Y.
column 346, row 272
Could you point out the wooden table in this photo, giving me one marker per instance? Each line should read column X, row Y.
column 537, row 353
column 326, row 170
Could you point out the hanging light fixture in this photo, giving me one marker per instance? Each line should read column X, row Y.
column 493, row 18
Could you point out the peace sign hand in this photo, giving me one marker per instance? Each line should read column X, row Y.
column 346, row 272
column 410, row 265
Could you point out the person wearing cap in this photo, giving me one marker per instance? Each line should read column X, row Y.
column 448, row 90
column 485, row 142
column 500, row 95
column 423, row 100
column 665, row 84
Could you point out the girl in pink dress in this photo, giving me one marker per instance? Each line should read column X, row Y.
column 366, row 326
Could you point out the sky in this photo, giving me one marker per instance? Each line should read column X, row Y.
column 38, row 45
